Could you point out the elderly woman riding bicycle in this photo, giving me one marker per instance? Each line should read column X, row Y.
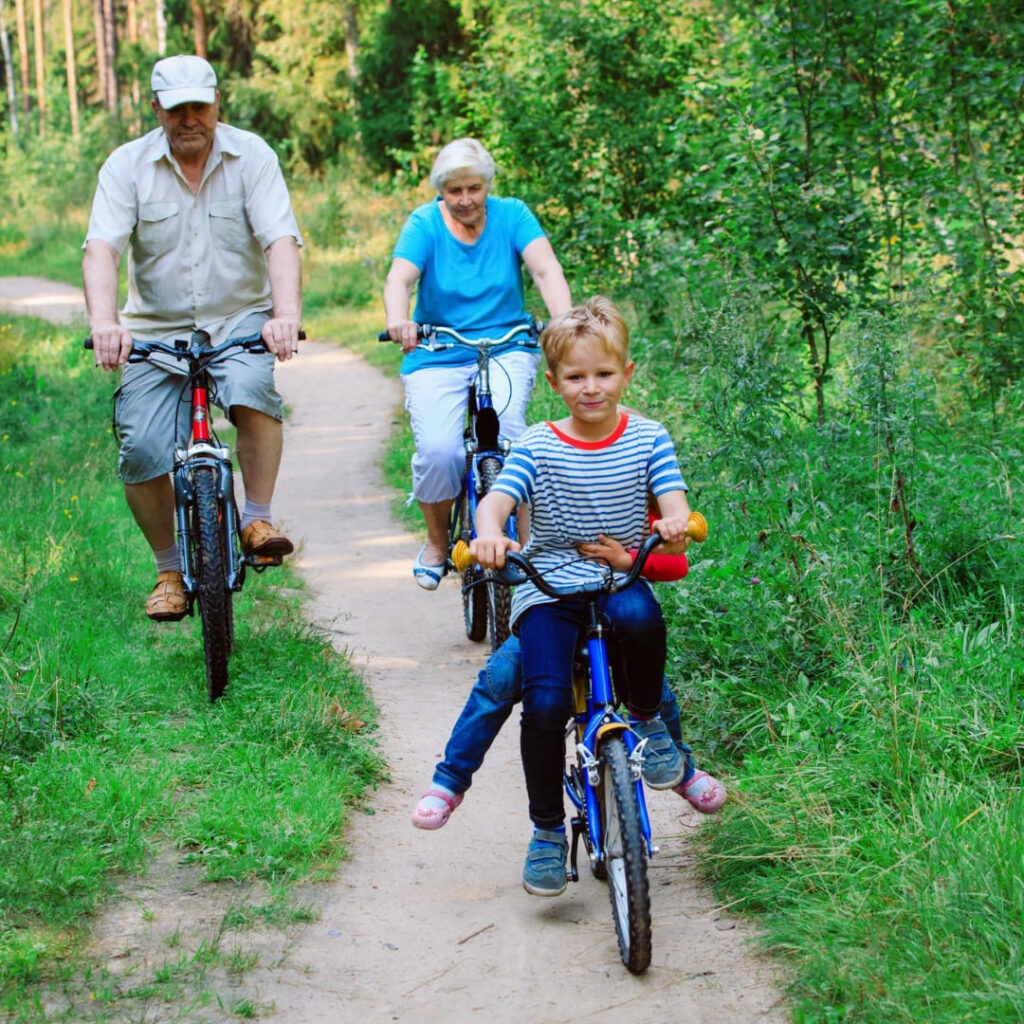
column 463, row 252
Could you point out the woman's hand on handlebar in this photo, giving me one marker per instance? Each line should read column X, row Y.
column 403, row 333
column 111, row 344
column 281, row 335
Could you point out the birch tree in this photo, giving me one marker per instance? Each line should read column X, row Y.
column 5, row 45
column 22, row 23
column 40, row 49
column 69, row 67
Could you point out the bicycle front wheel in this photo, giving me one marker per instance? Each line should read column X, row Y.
column 625, row 855
column 214, row 595
column 474, row 600
column 499, row 596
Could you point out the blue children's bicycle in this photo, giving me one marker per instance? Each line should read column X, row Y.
column 486, row 602
column 604, row 781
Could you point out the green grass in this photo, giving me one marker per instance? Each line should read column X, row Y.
column 857, row 683
column 110, row 747
column 846, row 652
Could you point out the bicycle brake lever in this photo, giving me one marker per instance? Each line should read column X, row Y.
column 513, row 573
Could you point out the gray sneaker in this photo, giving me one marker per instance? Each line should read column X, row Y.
column 544, row 870
column 664, row 766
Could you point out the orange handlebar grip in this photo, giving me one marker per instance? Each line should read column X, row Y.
column 697, row 527
column 461, row 558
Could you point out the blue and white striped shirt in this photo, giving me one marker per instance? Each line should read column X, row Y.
column 579, row 489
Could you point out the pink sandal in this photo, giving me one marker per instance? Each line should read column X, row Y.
column 706, row 798
column 435, row 817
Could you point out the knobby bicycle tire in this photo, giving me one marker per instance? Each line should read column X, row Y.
column 214, row 593
column 625, row 855
column 498, row 596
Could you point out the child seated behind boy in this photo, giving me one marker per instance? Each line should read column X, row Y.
column 585, row 475
column 499, row 688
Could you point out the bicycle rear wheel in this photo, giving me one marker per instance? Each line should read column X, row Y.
column 498, row 596
column 625, row 855
column 214, row 595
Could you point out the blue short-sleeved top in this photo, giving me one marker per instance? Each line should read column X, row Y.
column 476, row 289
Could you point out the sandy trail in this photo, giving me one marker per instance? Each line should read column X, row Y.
column 425, row 927
column 431, row 926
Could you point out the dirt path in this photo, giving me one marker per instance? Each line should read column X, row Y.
column 432, row 926
column 424, row 927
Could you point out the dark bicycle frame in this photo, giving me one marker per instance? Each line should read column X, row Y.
column 204, row 452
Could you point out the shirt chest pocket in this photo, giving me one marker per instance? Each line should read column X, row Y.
column 158, row 226
column 229, row 226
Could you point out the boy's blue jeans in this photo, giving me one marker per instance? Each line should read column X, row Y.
column 498, row 688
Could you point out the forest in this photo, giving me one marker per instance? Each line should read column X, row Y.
column 812, row 213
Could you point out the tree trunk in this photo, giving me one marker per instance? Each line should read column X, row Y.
column 5, row 46
column 352, row 39
column 161, row 28
column 22, row 22
column 110, row 54
column 199, row 28
column 133, row 39
column 69, row 67
column 101, row 52
column 38, row 32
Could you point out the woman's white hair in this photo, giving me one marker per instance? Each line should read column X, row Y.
column 463, row 155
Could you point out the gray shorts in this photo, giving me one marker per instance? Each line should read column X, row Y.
column 153, row 405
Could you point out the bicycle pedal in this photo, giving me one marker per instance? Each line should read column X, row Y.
column 261, row 562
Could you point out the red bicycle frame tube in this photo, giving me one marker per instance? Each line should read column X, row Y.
column 200, row 415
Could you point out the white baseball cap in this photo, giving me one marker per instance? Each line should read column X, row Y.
column 183, row 79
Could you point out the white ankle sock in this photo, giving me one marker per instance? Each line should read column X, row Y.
column 252, row 511
column 167, row 559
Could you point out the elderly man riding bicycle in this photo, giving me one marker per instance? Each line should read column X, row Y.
column 214, row 245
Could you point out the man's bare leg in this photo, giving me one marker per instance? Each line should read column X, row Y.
column 152, row 505
column 260, row 442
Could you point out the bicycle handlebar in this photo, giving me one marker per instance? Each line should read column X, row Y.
column 519, row 569
column 428, row 333
column 180, row 349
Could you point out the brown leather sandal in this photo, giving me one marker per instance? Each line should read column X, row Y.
column 260, row 538
column 166, row 602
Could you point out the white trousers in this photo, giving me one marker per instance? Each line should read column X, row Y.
column 436, row 399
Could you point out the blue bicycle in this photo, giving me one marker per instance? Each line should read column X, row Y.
column 604, row 781
column 486, row 602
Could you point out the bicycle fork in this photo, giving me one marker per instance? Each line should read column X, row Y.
column 202, row 453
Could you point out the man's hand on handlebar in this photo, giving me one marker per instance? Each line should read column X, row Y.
column 489, row 552
column 111, row 344
column 281, row 335
column 404, row 333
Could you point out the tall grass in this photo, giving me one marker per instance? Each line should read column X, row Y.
column 109, row 746
column 847, row 652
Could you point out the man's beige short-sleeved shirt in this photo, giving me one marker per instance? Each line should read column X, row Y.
column 195, row 259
